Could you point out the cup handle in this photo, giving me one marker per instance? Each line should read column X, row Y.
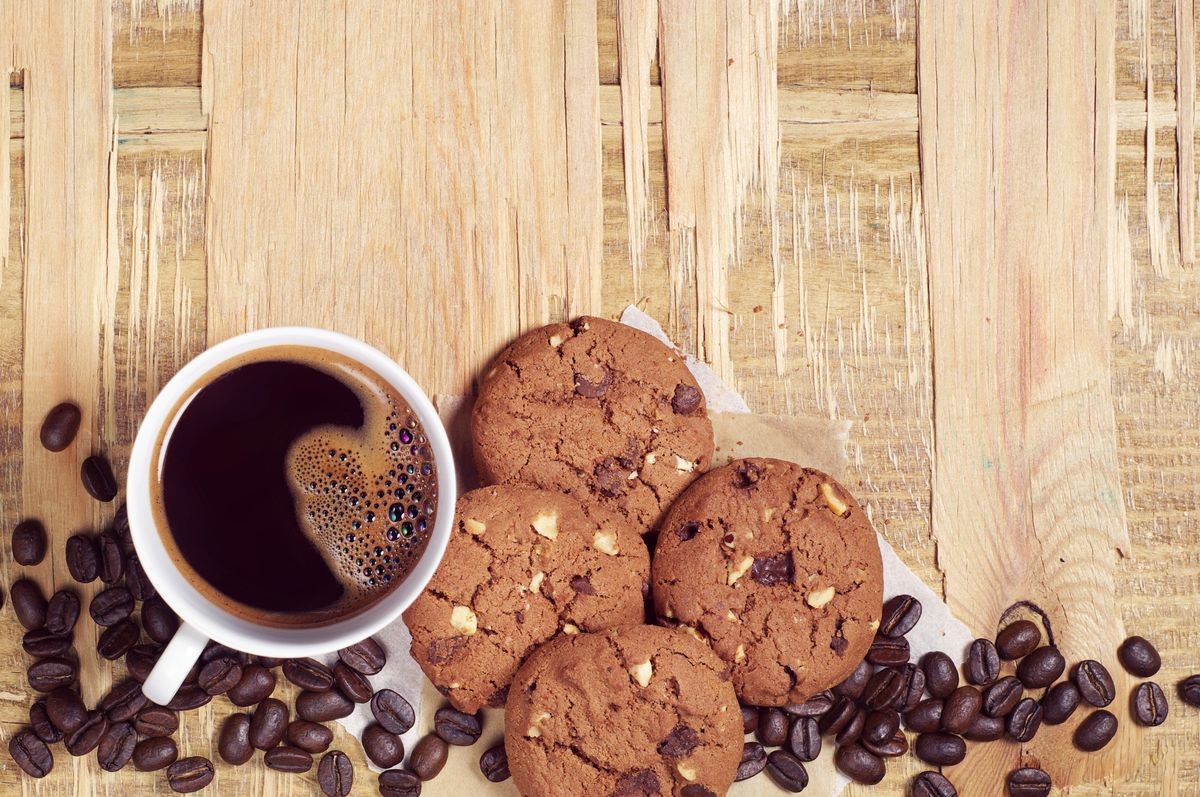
column 173, row 665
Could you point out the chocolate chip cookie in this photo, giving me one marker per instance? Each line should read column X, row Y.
column 596, row 409
column 778, row 568
column 633, row 711
column 522, row 566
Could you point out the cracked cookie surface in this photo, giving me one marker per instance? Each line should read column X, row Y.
column 596, row 409
column 522, row 566
column 628, row 712
column 778, row 568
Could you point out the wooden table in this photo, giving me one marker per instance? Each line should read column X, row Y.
column 987, row 266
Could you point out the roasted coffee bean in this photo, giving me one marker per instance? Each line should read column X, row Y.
column 754, row 760
column 914, row 678
column 894, row 747
column 59, row 426
column 900, row 614
column 749, row 719
column 392, row 711
column 940, row 749
column 116, row 746
column 986, row 729
column 926, row 716
column 123, row 701
column 288, row 759
column 1002, row 697
column 859, row 764
column 851, row 732
column 932, row 784
column 1060, row 703
column 1041, row 667
column 112, row 557
column 459, row 728
column 47, row 675
column 399, row 783
column 494, row 764
column 814, row 707
column 155, row 753
column 1028, row 782
column 66, row 709
column 335, row 774
column 366, row 657
column 83, row 558
column 28, row 542
column 117, row 639
column 384, row 749
column 39, row 721
column 84, row 739
column 1017, row 640
column 880, row 726
column 269, row 724
column 1189, row 690
column 308, row 674
column 140, row 660
column 1025, row 720
column 854, row 684
column 804, row 739
column 428, row 756
column 233, row 745
column 188, row 697
column 28, row 603
column 1139, row 657
column 1096, row 731
column 886, row 689
column 136, row 579
column 120, row 526
column 1149, row 704
column 215, row 650
column 962, row 707
column 941, row 674
column 323, row 706
column 31, row 754
column 219, row 676
column 41, row 644
column 111, row 606
column 310, row 736
column 787, row 771
column 160, row 622
column 772, row 728
column 61, row 612
column 269, row 662
column 190, row 774
column 1094, row 682
column 887, row 651
column 156, row 721
column 97, row 477
column 256, row 684
column 838, row 717
column 982, row 667
column 351, row 683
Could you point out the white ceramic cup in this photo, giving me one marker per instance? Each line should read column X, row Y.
column 200, row 619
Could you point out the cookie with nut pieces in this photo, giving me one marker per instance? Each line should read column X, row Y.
column 596, row 409
column 522, row 566
column 640, row 710
column 777, row 567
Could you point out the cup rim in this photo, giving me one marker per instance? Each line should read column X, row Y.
column 212, row 620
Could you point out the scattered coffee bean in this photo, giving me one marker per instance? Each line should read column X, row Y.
column 941, row 675
column 84, row 739
column 116, row 746
column 459, row 728
column 1096, row 731
column 804, row 739
column 154, row 753
column 851, row 732
column 66, row 710
column 268, row 724
column 1149, row 704
column 749, row 719
column 31, row 754
column 1025, row 720
column 123, row 701
column 41, row 644
column 428, row 756
column 111, row 606
column 28, row 603
column 29, row 542
column 141, row 659
column 188, row 697
column 889, row 748
column 39, row 721
column 392, row 711
column 855, row 683
column 986, row 729
column 384, row 749
column 256, row 684
column 887, row 651
column 190, row 774
column 772, row 728
column 814, row 707
column 160, row 622
column 308, row 674
column 838, row 717
column 309, row 736
column 219, row 676
column 117, row 639
column 1094, row 682
column 932, row 784
column 1189, row 690
column 366, row 657
column 879, row 726
column 754, row 760
column 399, row 783
column 60, row 426
column 136, row 579
column 1028, row 782
column 121, row 527
column 1001, row 698
column 962, row 707
column 1018, row 640
column 156, row 721
column 1041, row 667
column 62, row 611
column 926, row 716
column 335, row 774
column 351, row 683
column 233, row 745
column 886, row 689
column 323, row 706
column 112, row 558
column 900, row 615
column 787, row 771
column 940, row 749
column 914, row 678
column 857, row 763
column 982, row 667
column 83, row 558
column 1139, row 657
column 97, row 477
column 1060, row 703
column 288, row 759
column 47, row 675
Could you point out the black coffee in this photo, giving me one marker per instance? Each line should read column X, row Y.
column 295, row 483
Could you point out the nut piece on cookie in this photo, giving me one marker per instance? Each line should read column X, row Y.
column 463, row 620
column 835, row 502
column 820, row 597
column 642, row 672
column 738, row 570
column 474, row 526
column 546, row 524
column 605, row 542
